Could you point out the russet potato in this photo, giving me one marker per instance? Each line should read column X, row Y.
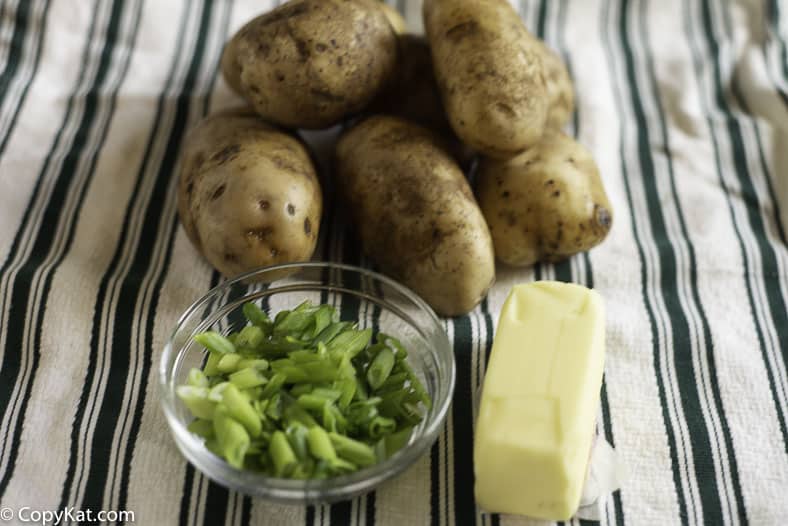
column 415, row 212
column 248, row 193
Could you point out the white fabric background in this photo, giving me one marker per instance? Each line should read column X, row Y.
column 719, row 262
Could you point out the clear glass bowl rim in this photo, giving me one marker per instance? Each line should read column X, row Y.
column 298, row 491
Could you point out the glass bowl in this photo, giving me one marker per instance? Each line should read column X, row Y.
column 359, row 295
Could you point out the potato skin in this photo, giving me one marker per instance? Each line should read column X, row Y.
column 415, row 213
column 490, row 74
column 311, row 63
column 412, row 92
column 248, row 194
column 546, row 204
column 413, row 95
column 560, row 90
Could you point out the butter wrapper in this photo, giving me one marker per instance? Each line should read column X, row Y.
column 605, row 475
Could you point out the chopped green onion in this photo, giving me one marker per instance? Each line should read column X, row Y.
column 311, row 372
column 297, row 436
column 196, row 400
column 349, row 343
column 401, row 353
column 332, row 395
column 215, row 394
column 333, row 419
column 197, row 378
column 212, row 445
column 246, row 378
column 303, row 470
column 282, row 454
column 240, row 409
column 215, row 342
column 394, row 382
column 274, row 408
column 232, row 438
column 341, row 466
column 323, row 318
column 416, row 385
column 331, row 331
column 346, row 369
column 252, row 393
column 296, row 413
column 322, row 470
column 295, row 321
column 380, row 368
column 294, row 375
column 380, row 450
column 361, row 390
column 304, row 396
column 359, row 416
column 380, row 426
column 352, row 450
column 304, row 356
column 212, row 364
column 278, row 365
column 347, row 388
column 256, row 315
column 250, row 338
column 202, row 427
column 229, row 362
column 329, row 418
column 398, row 440
column 253, row 363
column 312, row 402
column 281, row 315
column 274, row 384
column 279, row 346
column 299, row 389
column 320, row 444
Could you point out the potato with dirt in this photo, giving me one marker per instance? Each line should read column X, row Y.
column 490, row 74
column 412, row 94
column 312, row 63
column 560, row 91
column 545, row 204
column 415, row 213
column 248, row 193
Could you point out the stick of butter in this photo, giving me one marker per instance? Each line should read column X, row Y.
column 539, row 401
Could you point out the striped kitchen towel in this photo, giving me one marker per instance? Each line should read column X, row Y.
column 684, row 104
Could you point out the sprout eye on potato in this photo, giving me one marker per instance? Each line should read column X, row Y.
column 248, row 194
column 415, row 212
column 546, row 204
column 311, row 63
